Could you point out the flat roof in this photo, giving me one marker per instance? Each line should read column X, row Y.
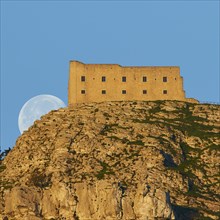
column 109, row 64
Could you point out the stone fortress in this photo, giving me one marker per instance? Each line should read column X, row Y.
column 112, row 82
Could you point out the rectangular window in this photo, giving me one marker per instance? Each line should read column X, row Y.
column 144, row 79
column 83, row 91
column 144, row 91
column 164, row 91
column 123, row 91
column 103, row 78
column 164, row 79
column 123, row 78
column 83, row 78
column 103, row 91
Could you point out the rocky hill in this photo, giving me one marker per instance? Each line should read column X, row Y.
column 116, row 160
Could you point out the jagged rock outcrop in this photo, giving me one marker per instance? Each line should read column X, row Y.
column 116, row 160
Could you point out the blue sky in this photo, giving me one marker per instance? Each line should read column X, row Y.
column 39, row 38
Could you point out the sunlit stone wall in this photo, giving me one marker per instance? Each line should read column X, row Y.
column 112, row 82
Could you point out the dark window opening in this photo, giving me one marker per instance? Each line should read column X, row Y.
column 123, row 91
column 164, row 79
column 164, row 91
column 83, row 78
column 103, row 78
column 144, row 91
column 103, row 91
column 123, row 78
column 83, row 91
column 144, row 79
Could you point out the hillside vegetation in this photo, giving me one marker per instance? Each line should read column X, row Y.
column 116, row 160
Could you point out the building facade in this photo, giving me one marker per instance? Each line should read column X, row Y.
column 112, row 82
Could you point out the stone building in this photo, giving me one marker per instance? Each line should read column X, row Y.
column 112, row 82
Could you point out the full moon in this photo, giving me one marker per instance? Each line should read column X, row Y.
column 34, row 108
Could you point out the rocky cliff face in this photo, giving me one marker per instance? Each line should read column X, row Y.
column 116, row 160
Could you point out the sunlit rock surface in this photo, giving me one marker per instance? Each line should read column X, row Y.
column 116, row 160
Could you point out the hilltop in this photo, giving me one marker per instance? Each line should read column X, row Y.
column 116, row 160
